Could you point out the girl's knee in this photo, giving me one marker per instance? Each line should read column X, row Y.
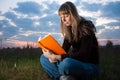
column 43, row 59
column 65, row 66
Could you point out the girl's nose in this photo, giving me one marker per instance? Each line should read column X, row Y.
column 63, row 19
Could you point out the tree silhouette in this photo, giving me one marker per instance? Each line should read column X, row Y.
column 109, row 44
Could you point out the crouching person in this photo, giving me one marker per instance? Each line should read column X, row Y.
column 80, row 43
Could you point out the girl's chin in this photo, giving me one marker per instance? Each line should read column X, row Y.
column 67, row 24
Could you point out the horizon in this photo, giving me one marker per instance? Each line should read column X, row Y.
column 24, row 21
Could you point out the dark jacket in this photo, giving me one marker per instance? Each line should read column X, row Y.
column 85, row 49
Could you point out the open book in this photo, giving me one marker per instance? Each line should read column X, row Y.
column 50, row 43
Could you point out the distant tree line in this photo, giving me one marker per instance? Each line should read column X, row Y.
column 109, row 44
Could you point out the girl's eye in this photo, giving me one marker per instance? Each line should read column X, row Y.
column 66, row 15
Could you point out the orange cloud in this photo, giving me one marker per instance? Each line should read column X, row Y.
column 18, row 43
column 21, row 44
column 103, row 41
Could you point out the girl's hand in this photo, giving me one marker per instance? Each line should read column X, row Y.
column 51, row 56
column 52, row 61
column 47, row 53
column 55, row 58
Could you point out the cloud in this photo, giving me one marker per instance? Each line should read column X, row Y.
column 117, row 27
column 103, row 2
column 19, row 43
column 1, row 33
column 31, row 19
column 7, row 26
column 103, row 21
column 36, row 24
column 103, row 41
column 43, row 21
column 112, row 27
column 100, row 31
column 11, row 23
column 2, row 17
column 31, row 8
column 111, row 10
column 62, row 1
column 91, row 6
column 108, row 32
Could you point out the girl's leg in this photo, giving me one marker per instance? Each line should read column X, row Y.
column 50, row 68
column 77, row 68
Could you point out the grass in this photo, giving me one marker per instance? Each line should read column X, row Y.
column 20, row 64
column 23, row 64
column 110, row 63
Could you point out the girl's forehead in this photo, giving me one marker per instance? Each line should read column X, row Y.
column 63, row 13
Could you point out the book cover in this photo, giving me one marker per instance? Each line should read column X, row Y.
column 50, row 43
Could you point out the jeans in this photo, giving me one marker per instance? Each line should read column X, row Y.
column 69, row 66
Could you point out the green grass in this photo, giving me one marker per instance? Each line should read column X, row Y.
column 110, row 63
column 23, row 64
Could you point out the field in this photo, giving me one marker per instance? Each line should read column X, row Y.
column 23, row 64
column 110, row 63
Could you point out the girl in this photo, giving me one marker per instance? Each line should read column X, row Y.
column 80, row 43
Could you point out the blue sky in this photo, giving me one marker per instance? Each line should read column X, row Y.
column 24, row 21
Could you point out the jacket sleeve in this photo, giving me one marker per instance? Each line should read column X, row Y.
column 66, row 46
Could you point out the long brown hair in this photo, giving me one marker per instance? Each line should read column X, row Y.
column 69, row 8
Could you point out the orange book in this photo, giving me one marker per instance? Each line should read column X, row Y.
column 50, row 43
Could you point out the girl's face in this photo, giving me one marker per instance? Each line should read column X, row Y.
column 66, row 19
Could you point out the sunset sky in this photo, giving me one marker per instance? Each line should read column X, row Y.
column 22, row 22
